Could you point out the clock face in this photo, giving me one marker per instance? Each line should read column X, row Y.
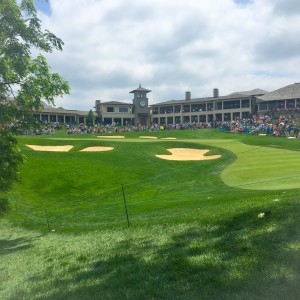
column 143, row 103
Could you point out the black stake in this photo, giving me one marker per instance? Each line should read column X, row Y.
column 125, row 205
column 47, row 220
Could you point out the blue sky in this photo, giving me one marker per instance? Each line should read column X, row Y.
column 243, row 2
column 43, row 6
column 170, row 47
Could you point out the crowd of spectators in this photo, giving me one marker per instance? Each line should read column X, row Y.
column 255, row 125
column 263, row 124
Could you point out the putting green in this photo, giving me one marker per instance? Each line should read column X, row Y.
column 260, row 168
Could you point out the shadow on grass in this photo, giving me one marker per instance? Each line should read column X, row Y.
column 241, row 258
column 3, row 206
column 244, row 258
column 10, row 246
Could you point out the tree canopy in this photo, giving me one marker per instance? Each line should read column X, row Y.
column 90, row 118
column 25, row 80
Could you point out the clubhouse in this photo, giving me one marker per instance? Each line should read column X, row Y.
column 285, row 100
column 49, row 114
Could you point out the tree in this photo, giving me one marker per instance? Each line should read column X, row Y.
column 90, row 118
column 10, row 160
column 25, row 81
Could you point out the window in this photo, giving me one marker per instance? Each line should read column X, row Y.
column 177, row 120
column 290, row 103
column 118, row 121
column 272, row 105
column 166, row 110
column 236, row 115
column 263, row 106
column 123, row 109
column 198, row 107
column 233, row 104
column 52, row 118
column 245, row 103
column 186, row 108
column 219, row 105
column 186, row 119
column 177, row 108
column 170, row 120
column 218, row 117
column 209, row 107
column 281, row 104
column 202, row 118
column 162, row 120
column 107, row 121
column 155, row 111
column 202, row 107
column 245, row 114
column 227, row 117
column 194, row 119
column 110, row 109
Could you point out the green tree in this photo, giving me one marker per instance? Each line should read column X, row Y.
column 25, row 81
column 90, row 118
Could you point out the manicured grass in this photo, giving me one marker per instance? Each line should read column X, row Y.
column 194, row 228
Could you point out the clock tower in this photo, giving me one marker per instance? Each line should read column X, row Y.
column 140, row 106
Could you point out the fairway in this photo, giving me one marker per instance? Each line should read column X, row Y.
column 85, row 187
column 255, row 167
column 190, row 228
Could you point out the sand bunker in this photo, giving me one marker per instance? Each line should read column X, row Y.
column 148, row 137
column 96, row 149
column 51, row 148
column 111, row 136
column 169, row 138
column 188, row 154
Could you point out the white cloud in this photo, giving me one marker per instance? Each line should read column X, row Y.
column 111, row 46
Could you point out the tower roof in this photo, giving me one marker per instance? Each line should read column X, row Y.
column 140, row 89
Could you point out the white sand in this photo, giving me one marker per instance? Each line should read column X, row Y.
column 111, row 136
column 148, row 137
column 188, row 154
column 96, row 149
column 168, row 138
column 176, row 153
column 51, row 148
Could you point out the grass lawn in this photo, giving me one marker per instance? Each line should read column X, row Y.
column 194, row 228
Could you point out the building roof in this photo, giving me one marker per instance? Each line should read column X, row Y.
column 59, row 110
column 115, row 103
column 254, row 92
column 184, row 101
column 46, row 108
column 235, row 95
column 291, row 91
column 140, row 89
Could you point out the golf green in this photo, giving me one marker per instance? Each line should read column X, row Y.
column 259, row 167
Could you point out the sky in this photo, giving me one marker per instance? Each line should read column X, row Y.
column 171, row 46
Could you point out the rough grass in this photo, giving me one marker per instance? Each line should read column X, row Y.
column 191, row 235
